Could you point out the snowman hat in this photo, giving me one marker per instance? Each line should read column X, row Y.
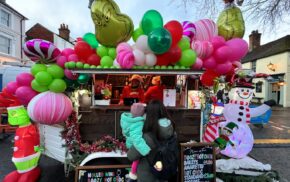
column 216, row 102
column 243, row 78
column 231, row 126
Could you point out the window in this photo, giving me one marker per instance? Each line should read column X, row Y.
column 259, row 87
column 254, row 65
column 5, row 45
column 5, row 18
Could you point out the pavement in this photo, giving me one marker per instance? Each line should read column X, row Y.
column 272, row 146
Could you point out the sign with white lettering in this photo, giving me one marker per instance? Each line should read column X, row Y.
column 197, row 162
column 106, row 173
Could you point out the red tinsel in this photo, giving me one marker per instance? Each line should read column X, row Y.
column 73, row 139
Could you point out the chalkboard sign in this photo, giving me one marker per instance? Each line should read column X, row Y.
column 197, row 162
column 106, row 173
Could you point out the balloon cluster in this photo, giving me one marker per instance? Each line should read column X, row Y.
column 48, row 78
column 21, row 88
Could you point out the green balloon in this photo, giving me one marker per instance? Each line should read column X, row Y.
column 43, row 78
column 112, row 52
column 107, row 61
column 39, row 88
column 99, row 67
column 188, row 58
column 170, row 67
column 159, row 40
column 57, row 85
column 71, row 65
column 157, row 67
column 66, row 65
column 90, row 38
column 87, row 66
column 184, row 44
column 137, row 33
column 71, row 83
column 37, row 68
column 102, row 51
column 93, row 66
column 176, row 67
column 83, row 78
column 163, row 67
column 80, row 65
column 55, row 71
column 151, row 20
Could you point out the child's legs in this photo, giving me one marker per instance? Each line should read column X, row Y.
column 134, row 166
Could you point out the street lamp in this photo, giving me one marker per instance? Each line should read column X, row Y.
column 271, row 66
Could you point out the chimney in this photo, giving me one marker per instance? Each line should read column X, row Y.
column 254, row 40
column 64, row 31
column 3, row 1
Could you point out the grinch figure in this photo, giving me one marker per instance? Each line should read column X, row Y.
column 223, row 140
column 26, row 147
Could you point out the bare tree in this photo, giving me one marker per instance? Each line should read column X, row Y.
column 268, row 13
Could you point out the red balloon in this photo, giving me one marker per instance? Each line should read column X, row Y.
column 207, row 78
column 176, row 31
column 170, row 57
column 83, row 50
column 94, row 59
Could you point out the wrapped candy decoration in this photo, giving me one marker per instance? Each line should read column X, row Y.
column 49, row 108
column 231, row 23
column 125, row 56
column 189, row 30
column 41, row 50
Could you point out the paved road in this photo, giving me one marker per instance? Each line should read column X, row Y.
column 275, row 152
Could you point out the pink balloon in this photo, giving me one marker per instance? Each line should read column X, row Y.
column 222, row 54
column 223, row 68
column 239, row 48
column 61, row 60
column 198, row 64
column 70, row 75
column 11, row 87
column 50, row 108
column 67, row 51
column 204, row 49
column 218, row 41
column 25, row 94
column 24, row 79
column 209, row 63
column 73, row 57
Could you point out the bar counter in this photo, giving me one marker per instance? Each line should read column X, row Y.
column 98, row 121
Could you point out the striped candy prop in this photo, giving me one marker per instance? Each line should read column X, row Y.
column 206, row 29
column 125, row 56
column 189, row 30
column 49, row 108
column 41, row 50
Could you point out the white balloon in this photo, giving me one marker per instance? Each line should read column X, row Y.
column 151, row 59
column 142, row 44
column 139, row 57
column 115, row 63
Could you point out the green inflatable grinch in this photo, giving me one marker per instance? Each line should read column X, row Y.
column 26, row 147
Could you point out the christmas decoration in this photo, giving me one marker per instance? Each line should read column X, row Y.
column 26, row 147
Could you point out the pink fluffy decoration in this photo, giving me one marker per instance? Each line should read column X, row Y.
column 50, row 108
column 125, row 56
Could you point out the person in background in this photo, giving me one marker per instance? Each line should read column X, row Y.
column 158, row 126
column 155, row 92
column 132, row 125
column 134, row 89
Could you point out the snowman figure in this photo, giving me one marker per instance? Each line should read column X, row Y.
column 237, row 110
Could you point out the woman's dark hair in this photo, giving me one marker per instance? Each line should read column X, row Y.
column 155, row 110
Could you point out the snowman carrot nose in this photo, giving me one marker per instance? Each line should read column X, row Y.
column 245, row 93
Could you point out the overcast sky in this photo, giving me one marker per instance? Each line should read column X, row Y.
column 75, row 13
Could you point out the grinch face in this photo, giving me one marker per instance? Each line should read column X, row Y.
column 241, row 94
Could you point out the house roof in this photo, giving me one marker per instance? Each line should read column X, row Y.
column 272, row 48
column 14, row 10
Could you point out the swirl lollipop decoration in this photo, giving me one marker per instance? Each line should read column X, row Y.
column 189, row 30
column 125, row 56
column 41, row 50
